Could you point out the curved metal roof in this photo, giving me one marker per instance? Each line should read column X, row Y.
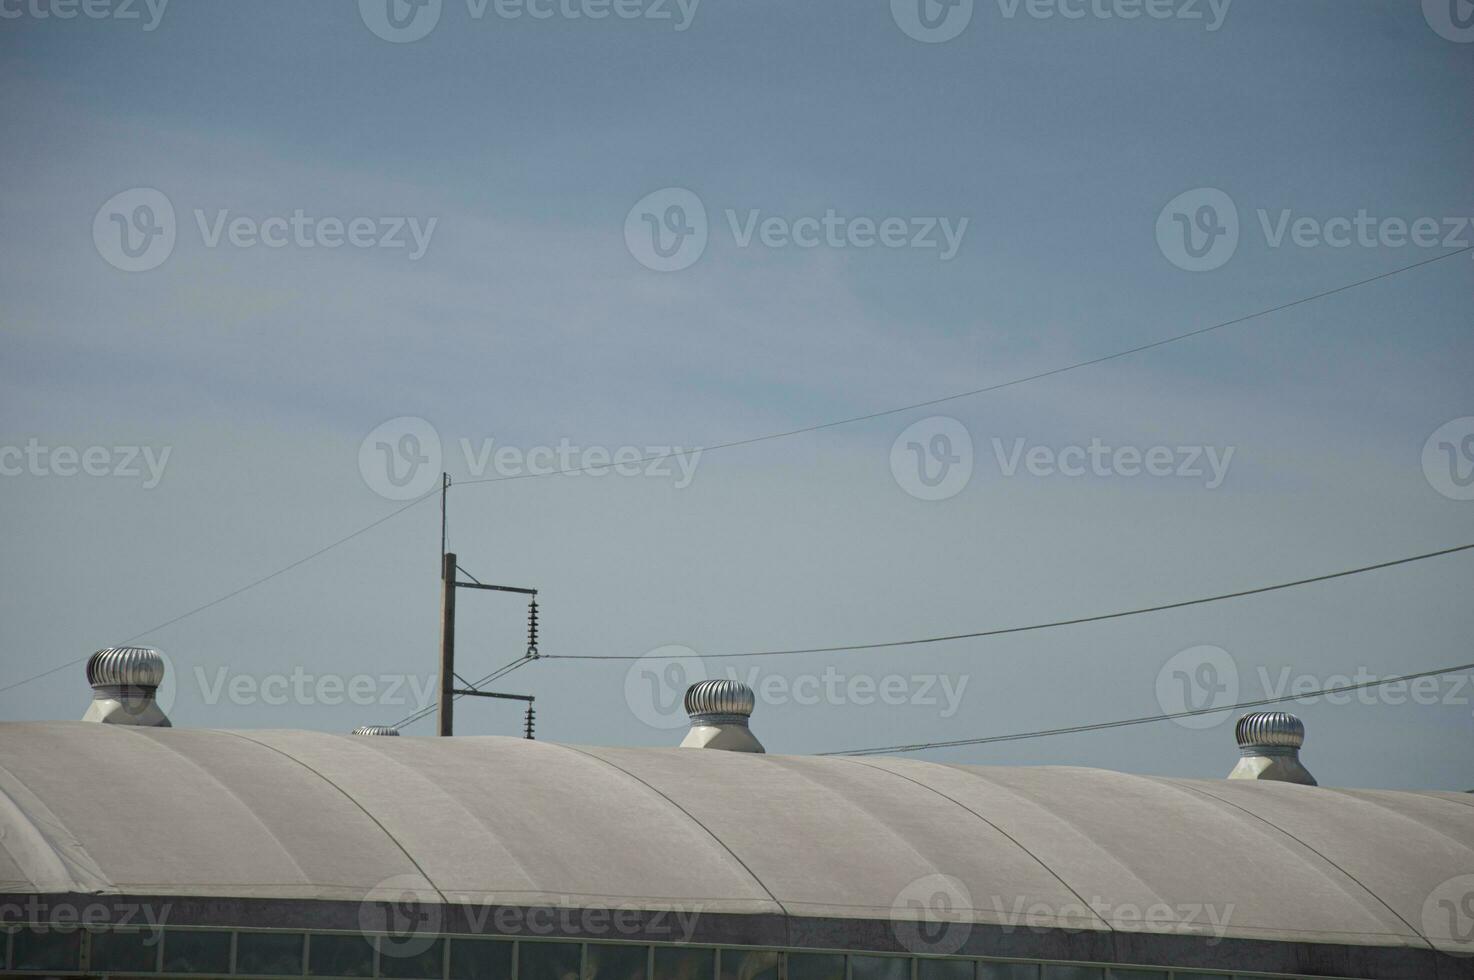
column 304, row 815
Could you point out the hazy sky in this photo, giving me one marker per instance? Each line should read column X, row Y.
column 239, row 238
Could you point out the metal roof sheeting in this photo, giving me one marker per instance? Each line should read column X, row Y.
column 308, row 815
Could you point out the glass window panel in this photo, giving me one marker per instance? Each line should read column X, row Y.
column 751, row 964
column 1008, row 971
column 411, row 957
column 126, row 952
column 340, row 956
column 814, row 966
column 1074, row 973
column 944, row 970
column 547, row 961
column 196, row 952
column 880, row 968
column 615, row 962
column 48, row 949
column 276, row 954
column 480, row 959
column 685, row 964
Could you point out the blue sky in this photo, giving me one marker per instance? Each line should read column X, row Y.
column 528, row 321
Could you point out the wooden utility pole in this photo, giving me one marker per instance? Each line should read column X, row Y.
column 448, row 691
column 447, row 640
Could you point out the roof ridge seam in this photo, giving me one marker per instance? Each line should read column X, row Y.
column 1276, row 827
column 379, row 748
column 143, row 732
column 348, row 796
column 1399, row 815
column 689, row 816
column 983, row 774
column 1000, row 830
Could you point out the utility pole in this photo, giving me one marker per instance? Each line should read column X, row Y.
column 447, row 640
column 444, row 490
column 528, row 699
column 448, row 691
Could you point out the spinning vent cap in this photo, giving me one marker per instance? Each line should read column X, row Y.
column 376, row 730
column 719, row 710
column 1270, row 728
column 1269, row 746
column 719, row 698
column 125, row 667
column 125, row 682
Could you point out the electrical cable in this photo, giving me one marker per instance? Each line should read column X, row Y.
column 987, row 388
column 501, row 671
column 232, row 594
column 781, row 435
column 1035, row 626
column 1099, row 726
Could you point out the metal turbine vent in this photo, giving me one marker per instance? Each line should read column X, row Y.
column 727, row 698
column 1270, row 728
column 376, row 730
column 719, row 710
column 125, row 681
column 125, row 667
column 1269, row 746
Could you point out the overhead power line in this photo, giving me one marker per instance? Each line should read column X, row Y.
column 783, row 435
column 1037, row 626
column 501, row 671
column 235, row 592
column 1099, row 726
column 1025, row 379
